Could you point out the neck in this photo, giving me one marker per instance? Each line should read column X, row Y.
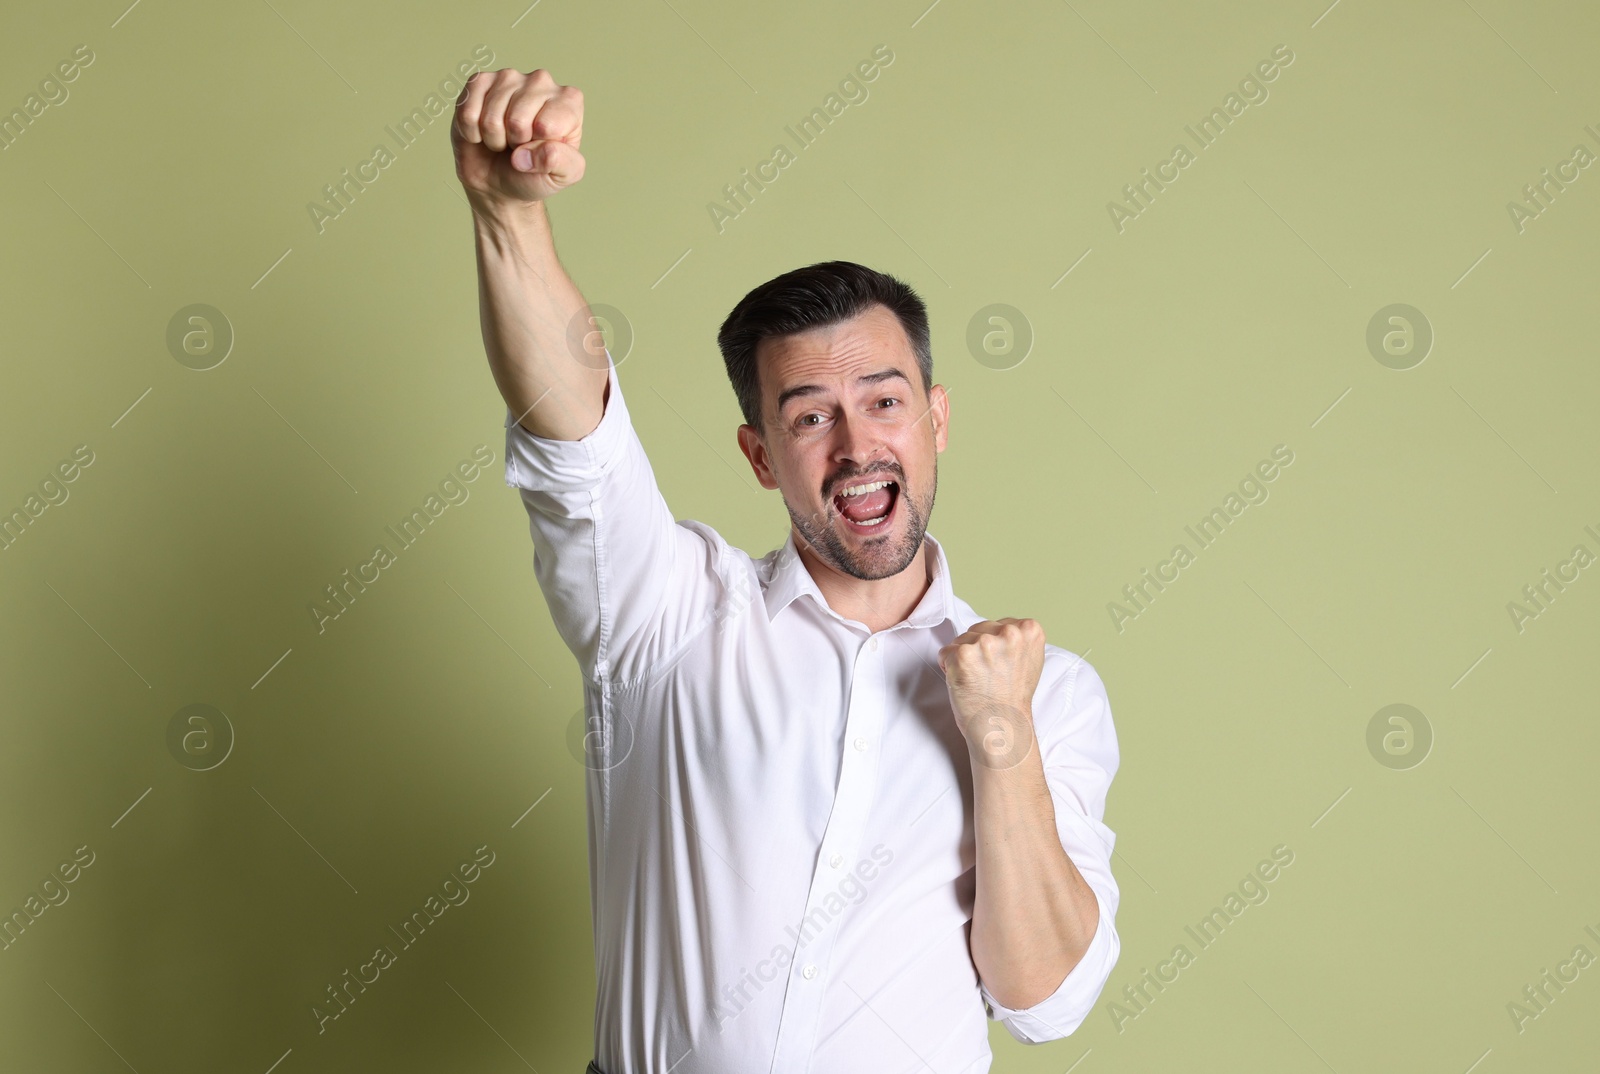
column 876, row 603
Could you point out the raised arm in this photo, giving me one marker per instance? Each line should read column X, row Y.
column 516, row 138
column 628, row 586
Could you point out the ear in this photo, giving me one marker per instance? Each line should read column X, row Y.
column 939, row 415
column 756, row 451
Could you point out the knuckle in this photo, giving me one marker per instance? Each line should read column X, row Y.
column 519, row 113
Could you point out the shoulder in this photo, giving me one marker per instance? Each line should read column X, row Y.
column 1071, row 676
column 741, row 574
column 1072, row 712
column 1065, row 672
column 1070, row 690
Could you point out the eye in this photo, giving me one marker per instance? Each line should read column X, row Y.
column 888, row 399
column 803, row 417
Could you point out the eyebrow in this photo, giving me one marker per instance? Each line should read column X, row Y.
column 814, row 389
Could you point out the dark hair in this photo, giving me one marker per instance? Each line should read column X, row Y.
column 825, row 293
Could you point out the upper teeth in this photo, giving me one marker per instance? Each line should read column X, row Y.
column 858, row 490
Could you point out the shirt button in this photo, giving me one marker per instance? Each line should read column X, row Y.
column 835, row 860
column 861, row 743
column 873, row 644
column 809, row 972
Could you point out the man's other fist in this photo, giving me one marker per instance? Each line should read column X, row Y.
column 516, row 136
column 991, row 672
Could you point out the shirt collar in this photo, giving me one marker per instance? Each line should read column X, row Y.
column 790, row 579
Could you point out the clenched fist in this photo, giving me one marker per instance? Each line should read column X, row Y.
column 516, row 136
column 992, row 671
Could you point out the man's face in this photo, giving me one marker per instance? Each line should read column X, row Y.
column 842, row 408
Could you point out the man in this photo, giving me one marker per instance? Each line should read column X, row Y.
column 835, row 817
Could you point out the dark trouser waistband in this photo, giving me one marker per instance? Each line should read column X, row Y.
column 593, row 1069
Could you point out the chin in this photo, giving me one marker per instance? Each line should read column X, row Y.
column 881, row 552
column 868, row 552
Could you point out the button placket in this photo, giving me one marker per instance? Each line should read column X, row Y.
column 858, row 773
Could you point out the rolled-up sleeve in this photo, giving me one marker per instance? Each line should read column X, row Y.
column 1079, row 746
column 626, row 584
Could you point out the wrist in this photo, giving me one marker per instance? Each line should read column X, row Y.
column 502, row 220
column 999, row 736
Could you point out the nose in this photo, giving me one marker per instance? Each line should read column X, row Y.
column 858, row 443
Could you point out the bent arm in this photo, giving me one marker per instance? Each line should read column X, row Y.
column 1034, row 914
column 1044, row 936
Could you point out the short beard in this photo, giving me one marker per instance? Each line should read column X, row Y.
column 827, row 543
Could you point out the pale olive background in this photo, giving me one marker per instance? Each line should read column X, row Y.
column 427, row 720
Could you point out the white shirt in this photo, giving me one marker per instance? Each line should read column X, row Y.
column 781, row 849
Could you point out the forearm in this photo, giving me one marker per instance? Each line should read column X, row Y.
column 529, row 307
column 1034, row 914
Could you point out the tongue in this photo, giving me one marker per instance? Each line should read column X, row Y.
column 863, row 508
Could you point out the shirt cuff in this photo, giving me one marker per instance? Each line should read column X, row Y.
column 543, row 465
column 1065, row 1009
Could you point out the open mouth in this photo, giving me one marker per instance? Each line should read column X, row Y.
column 866, row 507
